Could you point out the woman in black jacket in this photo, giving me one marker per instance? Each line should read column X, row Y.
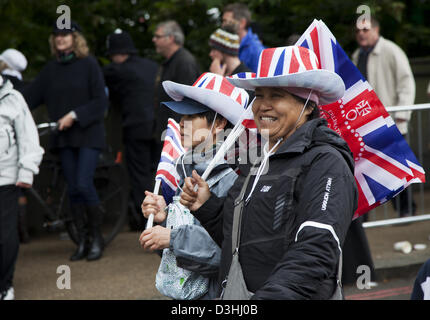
column 72, row 87
column 297, row 208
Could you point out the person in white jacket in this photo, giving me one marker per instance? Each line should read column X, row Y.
column 20, row 156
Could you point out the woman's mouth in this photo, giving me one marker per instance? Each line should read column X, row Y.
column 268, row 119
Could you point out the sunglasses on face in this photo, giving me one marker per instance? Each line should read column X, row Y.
column 158, row 36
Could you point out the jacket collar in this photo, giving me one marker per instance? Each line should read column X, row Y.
column 6, row 88
column 378, row 46
column 301, row 139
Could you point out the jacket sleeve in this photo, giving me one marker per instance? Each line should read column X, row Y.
column 324, row 212
column 195, row 250
column 35, row 91
column 210, row 216
column 27, row 138
column 93, row 111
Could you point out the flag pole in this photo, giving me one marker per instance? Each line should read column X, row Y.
column 235, row 133
column 150, row 221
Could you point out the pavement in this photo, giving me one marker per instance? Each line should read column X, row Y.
column 127, row 272
column 390, row 263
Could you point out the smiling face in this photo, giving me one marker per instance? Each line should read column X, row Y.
column 277, row 111
column 63, row 42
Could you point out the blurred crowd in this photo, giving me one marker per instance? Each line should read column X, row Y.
column 78, row 93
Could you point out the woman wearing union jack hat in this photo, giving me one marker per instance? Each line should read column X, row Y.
column 208, row 107
column 283, row 223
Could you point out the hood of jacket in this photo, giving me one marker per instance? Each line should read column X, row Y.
column 6, row 88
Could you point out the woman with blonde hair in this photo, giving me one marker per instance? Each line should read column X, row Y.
column 72, row 87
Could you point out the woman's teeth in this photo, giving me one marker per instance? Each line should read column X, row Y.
column 267, row 118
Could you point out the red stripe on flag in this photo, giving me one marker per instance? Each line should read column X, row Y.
column 168, row 176
column 315, row 43
column 175, row 127
column 170, row 150
column 239, row 99
column 266, row 59
column 417, row 174
column 306, row 59
column 248, row 123
column 211, row 84
column 226, row 87
column 388, row 166
column 294, row 63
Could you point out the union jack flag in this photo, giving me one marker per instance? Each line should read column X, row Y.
column 384, row 162
column 172, row 150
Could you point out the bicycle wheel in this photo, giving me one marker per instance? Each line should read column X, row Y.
column 110, row 182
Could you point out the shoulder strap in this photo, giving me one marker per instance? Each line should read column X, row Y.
column 237, row 215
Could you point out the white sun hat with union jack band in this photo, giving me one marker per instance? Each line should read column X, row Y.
column 210, row 90
column 293, row 67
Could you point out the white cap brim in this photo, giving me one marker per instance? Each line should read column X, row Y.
column 218, row 102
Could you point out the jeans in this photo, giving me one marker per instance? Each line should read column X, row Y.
column 79, row 165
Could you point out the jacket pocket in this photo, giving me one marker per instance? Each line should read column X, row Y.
column 6, row 139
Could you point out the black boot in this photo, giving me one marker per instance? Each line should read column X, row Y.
column 97, row 243
column 78, row 213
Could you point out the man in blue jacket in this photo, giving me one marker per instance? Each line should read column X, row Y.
column 238, row 15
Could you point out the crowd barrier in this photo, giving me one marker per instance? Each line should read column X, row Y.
column 420, row 135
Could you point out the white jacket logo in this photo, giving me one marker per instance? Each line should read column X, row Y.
column 326, row 194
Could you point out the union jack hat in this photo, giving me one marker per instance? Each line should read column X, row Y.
column 294, row 67
column 210, row 90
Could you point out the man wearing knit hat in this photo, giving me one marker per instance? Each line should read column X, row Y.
column 224, row 43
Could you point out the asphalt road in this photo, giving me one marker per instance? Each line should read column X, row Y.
column 392, row 289
column 125, row 271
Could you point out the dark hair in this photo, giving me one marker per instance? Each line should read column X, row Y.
column 315, row 114
column 240, row 11
column 210, row 116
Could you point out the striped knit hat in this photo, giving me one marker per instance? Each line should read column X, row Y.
column 225, row 41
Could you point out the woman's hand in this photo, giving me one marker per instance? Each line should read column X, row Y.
column 154, row 204
column 194, row 199
column 155, row 238
column 23, row 185
column 66, row 122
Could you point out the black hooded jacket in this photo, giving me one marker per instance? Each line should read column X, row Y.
column 296, row 220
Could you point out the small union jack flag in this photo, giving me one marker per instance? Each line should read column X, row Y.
column 172, row 150
column 384, row 162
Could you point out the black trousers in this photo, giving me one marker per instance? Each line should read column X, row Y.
column 9, row 238
column 141, row 176
column 356, row 252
